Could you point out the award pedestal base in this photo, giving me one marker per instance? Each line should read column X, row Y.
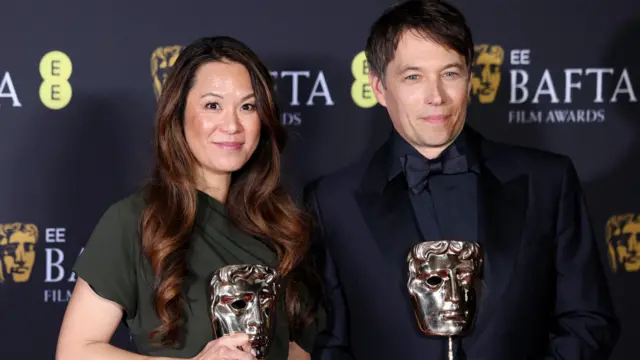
column 450, row 349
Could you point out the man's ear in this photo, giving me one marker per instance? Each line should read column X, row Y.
column 377, row 86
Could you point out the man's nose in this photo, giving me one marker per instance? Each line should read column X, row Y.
column 434, row 93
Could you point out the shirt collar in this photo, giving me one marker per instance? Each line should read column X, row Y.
column 400, row 148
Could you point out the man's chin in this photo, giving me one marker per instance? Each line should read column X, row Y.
column 435, row 143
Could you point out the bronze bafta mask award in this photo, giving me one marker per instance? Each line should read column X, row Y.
column 243, row 299
column 443, row 278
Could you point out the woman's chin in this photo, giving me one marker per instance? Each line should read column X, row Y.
column 226, row 168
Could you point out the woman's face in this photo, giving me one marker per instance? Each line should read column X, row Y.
column 221, row 122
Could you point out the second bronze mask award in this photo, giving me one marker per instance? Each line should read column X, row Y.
column 443, row 279
column 243, row 299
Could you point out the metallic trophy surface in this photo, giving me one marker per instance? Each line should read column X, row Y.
column 243, row 299
column 444, row 277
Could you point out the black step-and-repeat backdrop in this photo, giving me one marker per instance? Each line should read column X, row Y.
column 78, row 86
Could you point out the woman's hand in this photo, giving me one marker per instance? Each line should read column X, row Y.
column 227, row 348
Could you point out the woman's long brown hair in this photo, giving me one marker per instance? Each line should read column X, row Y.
column 256, row 203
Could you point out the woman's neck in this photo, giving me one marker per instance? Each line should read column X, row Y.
column 215, row 185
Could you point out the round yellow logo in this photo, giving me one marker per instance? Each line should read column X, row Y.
column 55, row 70
column 361, row 91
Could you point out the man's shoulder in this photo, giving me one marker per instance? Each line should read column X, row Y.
column 526, row 159
column 527, row 153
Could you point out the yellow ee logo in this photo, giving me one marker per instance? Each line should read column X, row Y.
column 55, row 70
column 361, row 91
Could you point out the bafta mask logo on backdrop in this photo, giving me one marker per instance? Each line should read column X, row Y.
column 162, row 59
column 17, row 251
column 623, row 242
column 486, row 74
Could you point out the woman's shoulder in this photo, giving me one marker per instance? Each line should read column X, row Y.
column 124, row 213
column 130, row 206
column 110, row 258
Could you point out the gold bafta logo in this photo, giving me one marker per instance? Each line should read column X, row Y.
column 162, row 59
column 17, row 251
column 486, row 75
column 622, row 233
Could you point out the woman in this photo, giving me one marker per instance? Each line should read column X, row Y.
column 214, row 199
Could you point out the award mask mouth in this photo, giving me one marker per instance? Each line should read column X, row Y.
column 453, row 316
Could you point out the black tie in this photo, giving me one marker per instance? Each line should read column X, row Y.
column 417, row 169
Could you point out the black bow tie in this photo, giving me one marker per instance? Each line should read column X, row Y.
column 417, row 169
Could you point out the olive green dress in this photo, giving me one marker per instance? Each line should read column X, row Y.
column 112, row 264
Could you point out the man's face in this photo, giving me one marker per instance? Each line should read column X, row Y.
column 425, row 90
column 442, row 287
column 244, row 300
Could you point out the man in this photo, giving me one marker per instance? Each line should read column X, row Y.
column 544, row 295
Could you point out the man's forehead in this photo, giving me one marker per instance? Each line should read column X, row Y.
column 415, row 45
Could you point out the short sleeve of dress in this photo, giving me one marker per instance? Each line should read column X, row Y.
column 108, row 261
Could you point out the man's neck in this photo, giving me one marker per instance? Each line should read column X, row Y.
column 433, row 152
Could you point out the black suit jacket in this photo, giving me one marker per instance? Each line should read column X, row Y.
column 547, row 297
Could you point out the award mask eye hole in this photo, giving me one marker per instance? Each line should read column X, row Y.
column 434, row 280
column 239, row 304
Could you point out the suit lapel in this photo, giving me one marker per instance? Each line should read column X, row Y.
column 386, row 209
column 502, row 208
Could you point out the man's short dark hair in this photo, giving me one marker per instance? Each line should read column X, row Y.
column 437, row 20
